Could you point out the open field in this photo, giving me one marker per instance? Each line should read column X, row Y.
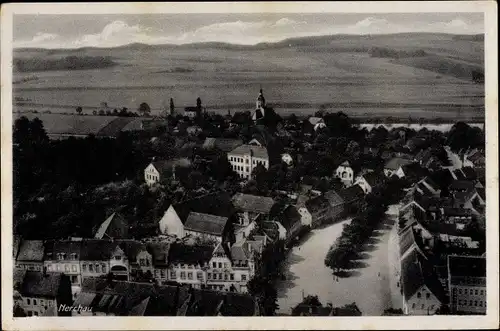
column 299, row 75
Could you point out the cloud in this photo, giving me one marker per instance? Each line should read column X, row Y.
column 118, row 33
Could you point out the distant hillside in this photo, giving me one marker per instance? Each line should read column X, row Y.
column 64, row 63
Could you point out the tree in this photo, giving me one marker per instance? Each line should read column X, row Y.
column 198, row 103
column 172, row 107
column 262, row 288
column 79, row 110
column 144, row 109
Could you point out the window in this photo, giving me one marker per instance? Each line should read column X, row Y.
column 246, row 161
column 220, row 265
column 422, row 307
column 225, row 277
column 30, row 313
column 36, row 313
column 142, row 263
column 183, row 275
column 482, row 292
column 476, row 292
column 84, row 267
column 231, row 276
column 465, row 291
column 173, row 275
column 209, row 275
column 470, row 303
column 91, row 268
column 163, row 273
column 480, row 303
column 413, row 306
column 475, row 303
column 247, row 169
column 118, row 257
column 73, row 268
column 427, row 295
column 104, row 268
column 66, row 268
column 199, row 275
column 190, row 275
column 220, row 276
column 97, row 268
column 243, row 277
column 34, row 302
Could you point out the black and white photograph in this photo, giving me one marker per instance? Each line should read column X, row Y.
column 246, row 163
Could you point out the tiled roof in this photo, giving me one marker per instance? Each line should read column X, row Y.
column 37, row 284
column 206, row 223
column 239, row 251
column 316, row 204
column 255, row 151
column 167, row 165
column 470, row 266
column 67, row 247
column 131, row 248
column 180, row 253
column 396, row 163
column 373, row 178
column 31, row 250
column 253, row 203
column 414, row 169
column 462, row 185
column 223, row 144
column 117, row 219
column 416, row 272
column 352, row 193
column 97, row 249
column 289, row 217
column 218, row 204
column 333, row 198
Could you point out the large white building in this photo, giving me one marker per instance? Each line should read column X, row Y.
column 245, row 158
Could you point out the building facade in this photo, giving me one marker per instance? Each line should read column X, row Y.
column 245, row 158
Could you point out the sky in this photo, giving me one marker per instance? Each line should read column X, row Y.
column 74, row 31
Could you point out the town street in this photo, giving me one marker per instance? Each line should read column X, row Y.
column 372, row 286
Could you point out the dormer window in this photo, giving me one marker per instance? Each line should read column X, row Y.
column 73, row 256
column 118, row 257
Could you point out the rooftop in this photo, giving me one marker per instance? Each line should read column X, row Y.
column 37, row 284
column 466, row 266
column 31, row 250
column 396, row 162
column 206, row 223
column 254, row 151
column 253, row 203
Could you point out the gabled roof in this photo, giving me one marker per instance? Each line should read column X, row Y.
column 315, row 120
column 413, row 169
column 345, row 164
column 31, row 250
column 333, row 198
column 240, row 251
column 253, row 203
column 97, row 249
column 373, row 178
column 218, row 204
column 416, row 272
column 396, row 162
column 163, row 166
column 352, row 193
column 289, row 217
column 255, row 151
column 316, row 204
column 223, row 144
column 461, row 185
column 37, row 284
column 67, row 247
column 206, row 223
column 181, row 253
column 115, row 218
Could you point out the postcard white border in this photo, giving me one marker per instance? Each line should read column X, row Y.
column 253, row 323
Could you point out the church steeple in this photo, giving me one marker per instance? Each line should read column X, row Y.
column 261, row 101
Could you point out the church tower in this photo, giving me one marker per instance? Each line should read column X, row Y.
column 261, row 101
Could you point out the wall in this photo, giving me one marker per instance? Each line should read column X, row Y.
column 151, row 175
column 35, row 306
column 171, row 224
column 427, row 304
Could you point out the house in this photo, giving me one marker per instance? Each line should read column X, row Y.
column 345, row 173
column 137, row 256
column 316, row 123
column 160, row 170
column 474, row 159
column 369, row 181
column 336, row 203
column 245, row 158
column 193, row 130
column 287, row 158
column 207, row 227
column 64, row 256
column 30, row 255
column 467, row 284
column 315, row 211
column 250, row 209
column 223, row 144
column 160, row 253
column 352, row 197
column 423, row 293
column 173, row 220
column 115, row 226
column 187, row 263
column 290, row 222
column 393, row 166
column 41, row 293
column 413, row 172
column 428, row 187
column 95, row 257
column 230, row 269
column 473, row 200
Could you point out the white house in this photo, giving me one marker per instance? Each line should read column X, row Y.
column 187, row 263
column 245, row 158
column 394, row 167
column 156, row 171
column 369, row 180
column 423, row 293
column 205, row 226
column 345, row 173
column 171, row 223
